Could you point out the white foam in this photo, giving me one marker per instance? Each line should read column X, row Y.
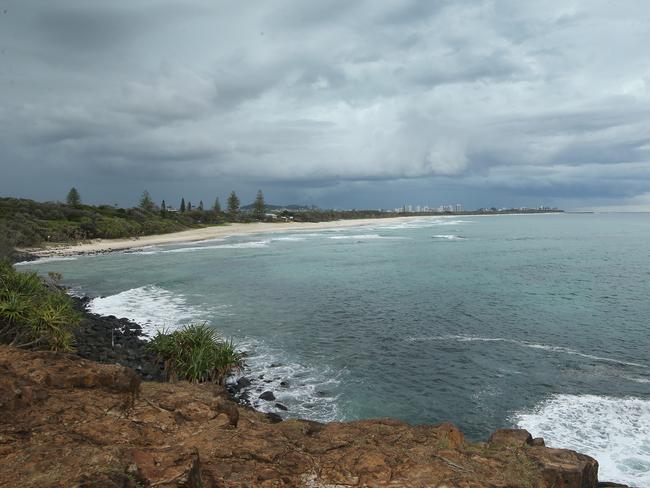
column 424, row 223
column 637, row 379
column 47, row 260
column 615, row 431
column 289, row 239
column 234, row 245
column 314, row 234
column 454, row 222
column 309, row 392
column 448, row 237
column 365, row 237
column 532, row 345
column 152, row 307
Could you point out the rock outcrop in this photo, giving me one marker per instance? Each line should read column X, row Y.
column 69, row 422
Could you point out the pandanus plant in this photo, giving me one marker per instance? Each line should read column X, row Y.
column 196, row 353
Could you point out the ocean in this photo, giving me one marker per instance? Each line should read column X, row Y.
column 536, row 321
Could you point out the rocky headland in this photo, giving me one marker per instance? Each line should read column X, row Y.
column 70, row 422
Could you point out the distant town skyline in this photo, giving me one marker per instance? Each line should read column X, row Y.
column 340, row 104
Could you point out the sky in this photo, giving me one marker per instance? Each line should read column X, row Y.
column 341, row 104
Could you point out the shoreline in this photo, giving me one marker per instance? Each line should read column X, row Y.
column 97, row 246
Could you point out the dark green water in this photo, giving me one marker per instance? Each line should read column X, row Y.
column 541, row 321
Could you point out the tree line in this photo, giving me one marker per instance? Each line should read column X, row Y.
column 232, row 213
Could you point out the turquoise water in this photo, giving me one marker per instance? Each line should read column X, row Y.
column 540, row 321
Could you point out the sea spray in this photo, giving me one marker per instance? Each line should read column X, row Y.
column 615, row 431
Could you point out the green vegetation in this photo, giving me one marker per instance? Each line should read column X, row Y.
column 233, row 205
column 34, row 313
column 195, row 353
column 146, row 203
column 318, row 215
column 73, row 199
column 25, row 223
column 258, row 205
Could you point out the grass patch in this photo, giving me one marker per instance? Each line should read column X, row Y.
column 522, row 472
column 34, row 313
column 196, row 353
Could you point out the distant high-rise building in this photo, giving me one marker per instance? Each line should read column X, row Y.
column 459, row 207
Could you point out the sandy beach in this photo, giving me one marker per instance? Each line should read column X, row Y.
column 213, row 232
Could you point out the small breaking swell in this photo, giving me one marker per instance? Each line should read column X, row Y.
column 424, row 223
column 152, row 307
column 306, row 391
column 50, row 259
column 234, row 245
column 615, row 431
column 532, row 345
column 222, row 244
column 448, row 237
column 363, row 237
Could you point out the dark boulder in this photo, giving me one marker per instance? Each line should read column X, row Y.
column 268, row 396
column 243, row 382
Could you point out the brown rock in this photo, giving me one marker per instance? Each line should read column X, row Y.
column 16, row 393
column 450, row 433
column 195, row 411
column 171, row 467
column 511, row 438
column 561, row 467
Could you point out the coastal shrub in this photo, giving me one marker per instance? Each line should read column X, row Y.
column 25, row 223
column 196, row 353
column 34, row 313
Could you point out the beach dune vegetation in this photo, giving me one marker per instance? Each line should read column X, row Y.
column 196, row 354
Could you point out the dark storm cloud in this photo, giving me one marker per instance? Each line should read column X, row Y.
column 338, row 102
column 84, row 26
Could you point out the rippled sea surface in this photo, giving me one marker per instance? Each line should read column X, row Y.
column 540, row 321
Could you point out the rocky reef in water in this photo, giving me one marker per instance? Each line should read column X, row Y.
column 70, row 422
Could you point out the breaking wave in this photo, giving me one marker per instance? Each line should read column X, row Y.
column 615, row 431
column 448, row 237
column 307, row 391
column 47, row 260
column 364, row 237
column 153, row 308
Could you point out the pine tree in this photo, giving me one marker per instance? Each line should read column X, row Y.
column 146, row 203
column 258, row 205
column 163, row 208
column 233, row 205
column 201, row 205
column 216, row 208
column 73, row 198
column 189, row 206
column 182, row 208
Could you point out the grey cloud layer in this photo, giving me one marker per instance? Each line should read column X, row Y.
column 527, row 96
